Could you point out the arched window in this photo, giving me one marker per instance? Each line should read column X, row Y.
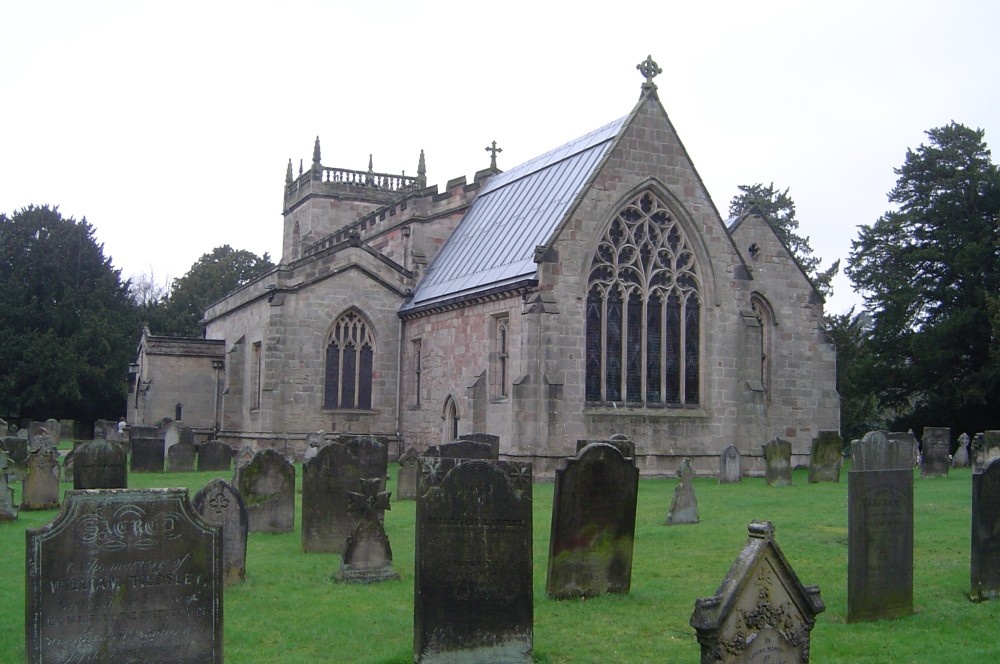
column 450, row 431
column 762, row 311
column 350, row 354
column 643, row 311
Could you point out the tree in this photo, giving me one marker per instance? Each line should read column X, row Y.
column 68, row 326
column 859, row 409
column 929, row 272
column 213, row 275
column 779, row 208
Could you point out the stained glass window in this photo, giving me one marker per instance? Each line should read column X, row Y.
column 350, row 356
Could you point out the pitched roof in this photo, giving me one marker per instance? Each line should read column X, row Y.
column 516, row 211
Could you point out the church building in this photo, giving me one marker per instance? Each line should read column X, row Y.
column 593, row 290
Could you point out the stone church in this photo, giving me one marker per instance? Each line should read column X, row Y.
column 592, row 290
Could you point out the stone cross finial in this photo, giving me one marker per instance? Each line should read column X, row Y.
column 649, row 69
column 369, row 499
column 493, row 150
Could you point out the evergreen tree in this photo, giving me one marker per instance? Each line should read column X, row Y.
column 779, row 208
column 929, row 272
column 68, row 326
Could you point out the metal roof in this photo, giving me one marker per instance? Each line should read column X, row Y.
column 494, row 244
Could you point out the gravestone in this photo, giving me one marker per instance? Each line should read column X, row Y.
column 171, row 434
column 67, row 465
column 367, row 555
column 220, row 504
column 620, row 441
column 54, row 428
column 100, row 464
column 40, row 488
column 934, row 461
column 41, row 441
column 472, row 599
column 985, row 572
column 825, row 457
column 778, row 462
column 961, row 458
column 16, row 448
column 593, row 524
column 908, row 439
column 761, row 613
column 267, row 485
column 8, row 511
column 488, row 438
column 143, row 431
column 147, row 455
column 215, row 456
column 988, row 447
column 181, row 457
column 729, row 466
column 243, row 457
column 462, row 449
column 327, row 481
column 684, row 507
column 314, row 441
column 406, row 477
column 880, row 528
column 124, row 575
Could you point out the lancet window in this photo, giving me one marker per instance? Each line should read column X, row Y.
column 643, row 311
column 350, row 357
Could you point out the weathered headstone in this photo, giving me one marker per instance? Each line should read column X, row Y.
column 220, row 504
column 987, row 446
column 215, row 456
column 593, row 524
column 40, row 488
column 490, row 439
column 472, row 581
column 684, row 507
column 985, row 562
column 8, row 511
column 100, row 464
column 181, row 457
column 143, row 431
column 620, row 441
column 729, row 466
column 880, row 528
column 54, row 429
column 462, row 449
column 778, row 462
column 908, row 440
column 961, row 458
column 406, row 477
column 761, row 612
column 146, row 455
column 826, row 457
column 934, row 461
column 171, row 434
column 16, row 448
column 67, row 465
column 367, row 555
column 243, row 457
column 314, row 441
column 267, row 485
column 124, row 575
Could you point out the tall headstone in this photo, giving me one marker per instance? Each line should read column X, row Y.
column 124, row 575
column 181, row 457
column 54, row 429
column 985, row 573
column 267, row 485
column 215, row 456
column 472, row 578
column 327, row 481
column 730, row 471
column 934, row 461
column 406, row 477
column 880, row 528
column 220, row 504
column 961, row 458
column 100, row 464
column 778, row 462
column 147, row 455
column 761, row 613
column 684, row 507
column 367, row 555
column 40, row 489
column 593, row 524
column 825, row 457
column 8, row 511
column 171, row 434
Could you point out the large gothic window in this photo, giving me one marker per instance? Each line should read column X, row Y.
column 349, row 358
column 643, row 311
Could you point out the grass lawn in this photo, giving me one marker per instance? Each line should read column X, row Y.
column 289, row 609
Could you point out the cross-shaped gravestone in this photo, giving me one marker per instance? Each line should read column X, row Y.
column 366, row 503
column 649, row 69
column 493, row 150
column 367, row 555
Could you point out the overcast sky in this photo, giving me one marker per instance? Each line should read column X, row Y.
column 169, row 125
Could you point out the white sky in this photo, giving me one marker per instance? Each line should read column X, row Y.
column 169, row 125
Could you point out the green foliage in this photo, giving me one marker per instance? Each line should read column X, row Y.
column 68, row 326
column 214, row 275
column 779, row 209
column 859, row 410
column 929, row 272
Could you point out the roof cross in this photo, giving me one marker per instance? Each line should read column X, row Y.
column 649, row 69
column 493, row 150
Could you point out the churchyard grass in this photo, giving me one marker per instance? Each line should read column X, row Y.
column 289, row 609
